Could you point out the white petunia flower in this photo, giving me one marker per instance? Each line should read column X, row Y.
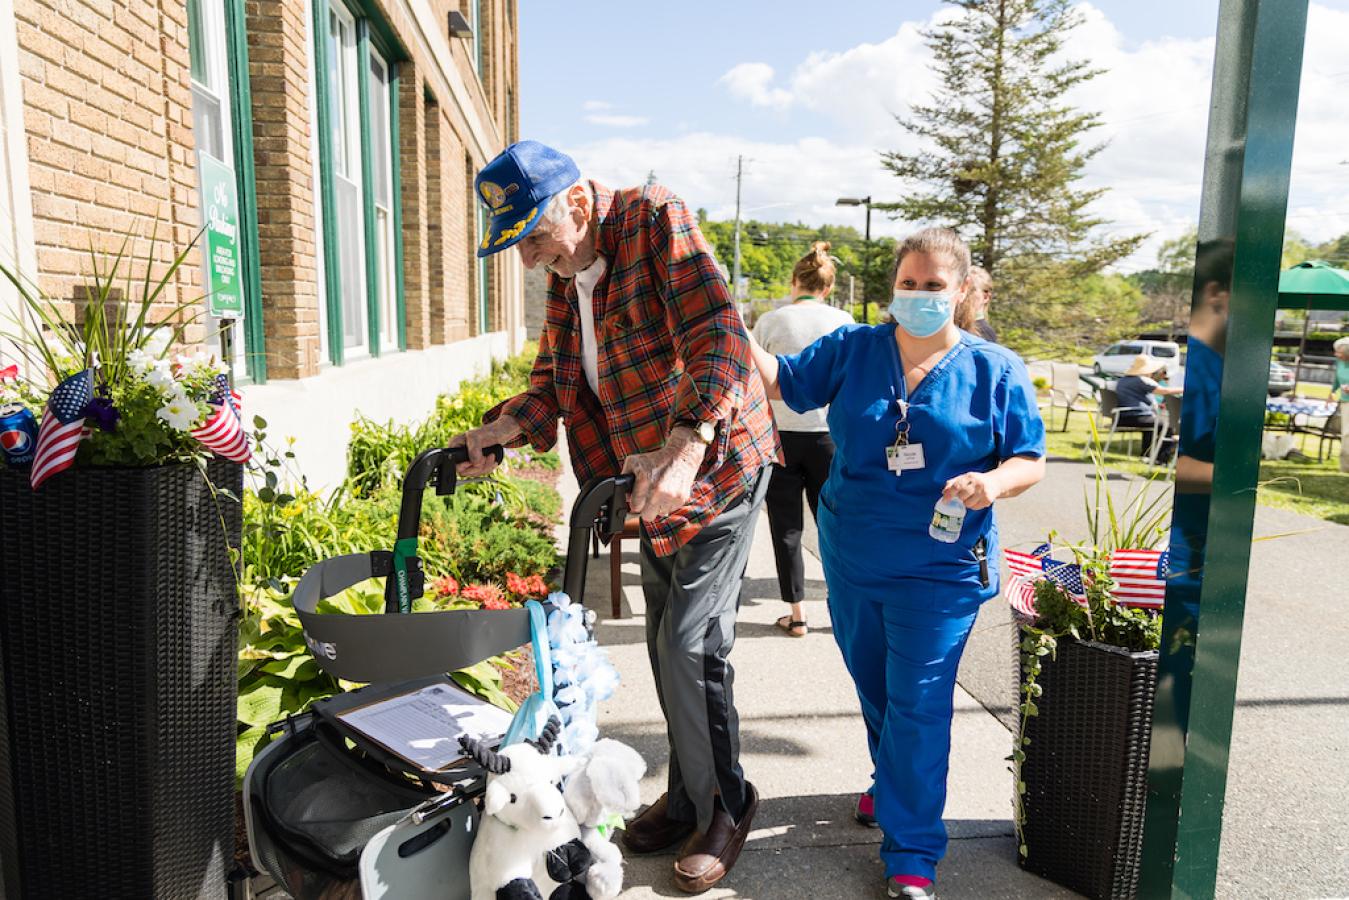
column 161, row 376
column 179, row 413
column 158, row 342
column 140, row 362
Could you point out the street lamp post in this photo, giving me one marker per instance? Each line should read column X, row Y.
column 866, row 247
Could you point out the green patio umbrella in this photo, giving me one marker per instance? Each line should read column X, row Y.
column 1314, row 284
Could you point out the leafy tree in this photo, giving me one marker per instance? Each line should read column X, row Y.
column 1004, row 155
column 769, row 250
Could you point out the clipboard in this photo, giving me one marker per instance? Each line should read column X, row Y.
column 413, row 726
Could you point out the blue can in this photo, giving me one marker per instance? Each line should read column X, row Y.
column 18, row 435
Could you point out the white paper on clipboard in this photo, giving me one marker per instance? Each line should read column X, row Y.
column 423, row 727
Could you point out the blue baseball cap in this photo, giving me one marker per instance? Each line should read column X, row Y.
column 516, row 186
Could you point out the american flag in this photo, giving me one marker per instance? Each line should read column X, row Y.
column 222, row 433
column 62, row 427
column 1026, row 569
column 1140, row 577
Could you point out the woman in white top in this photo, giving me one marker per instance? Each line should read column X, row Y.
column 806, row 445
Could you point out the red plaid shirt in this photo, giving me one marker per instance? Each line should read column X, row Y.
column 672, row 348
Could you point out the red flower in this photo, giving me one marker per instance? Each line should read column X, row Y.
column 531, row 587
column 445, row 586
column 485, row 595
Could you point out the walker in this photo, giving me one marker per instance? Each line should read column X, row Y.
column 331, row 814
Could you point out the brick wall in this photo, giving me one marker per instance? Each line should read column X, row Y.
column 279, row 73
column 108, row 114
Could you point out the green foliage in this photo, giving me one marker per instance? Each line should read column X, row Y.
column 379, row 454
column 769, row 251
column 485, row 535
column 1003, row 156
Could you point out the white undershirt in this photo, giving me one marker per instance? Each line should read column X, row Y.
column 586, row 279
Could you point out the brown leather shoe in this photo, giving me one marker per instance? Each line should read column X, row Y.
column 653, row 830
column 707, row 858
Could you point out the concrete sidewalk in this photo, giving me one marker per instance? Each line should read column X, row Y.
column 804, row 747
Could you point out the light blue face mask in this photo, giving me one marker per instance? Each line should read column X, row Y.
column 922, row 313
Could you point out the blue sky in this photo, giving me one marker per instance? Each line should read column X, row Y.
column 809, row 98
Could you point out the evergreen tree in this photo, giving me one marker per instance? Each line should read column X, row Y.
column 1004, row 155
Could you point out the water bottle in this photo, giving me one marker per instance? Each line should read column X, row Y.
column 947, row 518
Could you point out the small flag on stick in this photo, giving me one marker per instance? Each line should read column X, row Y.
column 222, row 433
column 58, row 438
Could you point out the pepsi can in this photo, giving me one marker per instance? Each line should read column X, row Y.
column 18, row 435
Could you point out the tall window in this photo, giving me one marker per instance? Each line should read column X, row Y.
column 484, row 289
column 475, row 18
column 381, row 166
column 344, row 123
column 210, row 78
column 359, row 181
column 224, row 187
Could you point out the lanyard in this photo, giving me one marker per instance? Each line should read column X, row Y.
column 899, row 392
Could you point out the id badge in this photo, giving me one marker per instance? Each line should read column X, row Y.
column 904, row 457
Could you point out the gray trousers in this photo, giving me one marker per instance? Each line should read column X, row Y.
column 692, row 598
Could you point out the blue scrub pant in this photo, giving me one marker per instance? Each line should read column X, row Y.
column 902, row 646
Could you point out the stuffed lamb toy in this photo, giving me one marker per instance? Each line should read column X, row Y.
column 601, row 794
column 529, row 844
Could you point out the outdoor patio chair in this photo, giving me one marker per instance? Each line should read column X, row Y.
column 1065, row 390
column 1110, row 409
column 1326, row 434
column 1170, row 420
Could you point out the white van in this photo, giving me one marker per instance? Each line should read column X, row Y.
column 1115, row 360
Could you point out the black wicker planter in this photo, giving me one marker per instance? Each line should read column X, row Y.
column 1086, row 768
column 118, row 619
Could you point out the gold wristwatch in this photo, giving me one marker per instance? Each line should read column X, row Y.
column 703, row 431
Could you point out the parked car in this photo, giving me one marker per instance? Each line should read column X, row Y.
column 1115, row 360
column 1280, row 379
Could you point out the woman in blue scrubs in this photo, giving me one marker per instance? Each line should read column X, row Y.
column 919, row 411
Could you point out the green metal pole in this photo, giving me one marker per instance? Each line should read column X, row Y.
column 1257, row 71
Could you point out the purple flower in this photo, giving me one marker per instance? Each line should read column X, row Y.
column 104, row 414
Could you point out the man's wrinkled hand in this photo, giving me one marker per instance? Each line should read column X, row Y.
column 664, row 478
column 501, row 431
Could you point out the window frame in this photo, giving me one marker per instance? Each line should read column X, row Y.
column 371, row 34
column 234, row 93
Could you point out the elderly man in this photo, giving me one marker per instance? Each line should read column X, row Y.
column 1339, row 390
column 645, row 359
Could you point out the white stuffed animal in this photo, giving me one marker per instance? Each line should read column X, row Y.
column 529, row 844
column 604, row 792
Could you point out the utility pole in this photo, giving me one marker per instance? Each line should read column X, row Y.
column 735, row 271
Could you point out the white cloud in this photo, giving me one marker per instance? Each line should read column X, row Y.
column 797, row 181
column 613, row 120
column 595, row 105
column 1153, row 98
column 750, row 81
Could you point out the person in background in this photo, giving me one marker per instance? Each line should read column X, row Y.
column 1136, row 391
column 806, row 446
column 646, row 361
column 1339, row 390
column 923, row 414
column 972, row 314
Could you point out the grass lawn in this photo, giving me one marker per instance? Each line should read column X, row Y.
column 1316, row 489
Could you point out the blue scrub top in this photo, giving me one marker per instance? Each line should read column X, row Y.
column 975, row 409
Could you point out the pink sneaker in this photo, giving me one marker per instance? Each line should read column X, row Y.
column 866, row 811
column 911, row 887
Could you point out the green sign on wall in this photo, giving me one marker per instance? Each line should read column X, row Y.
column 220, row 209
